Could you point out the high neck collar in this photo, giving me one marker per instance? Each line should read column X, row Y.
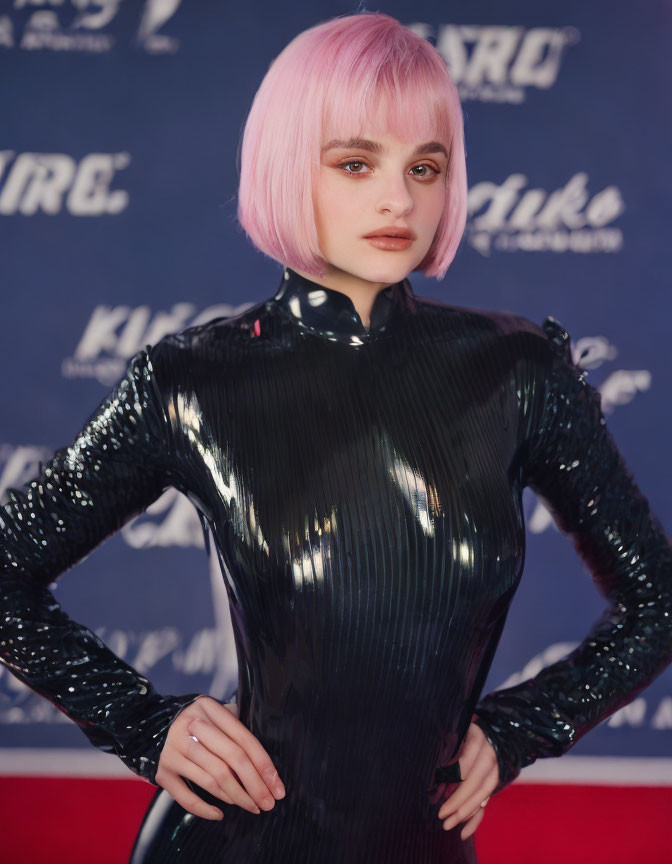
column 332, row 313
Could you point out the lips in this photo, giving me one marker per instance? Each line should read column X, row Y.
column 392, row 232
column 389, row 244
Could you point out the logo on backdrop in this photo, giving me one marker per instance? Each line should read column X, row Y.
column 498, row 62
column 86, row 26
column 509, row 217
column 490, row 62
column 56, row 183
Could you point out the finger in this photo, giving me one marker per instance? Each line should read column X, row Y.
column 232, row 707
column 472, row 824
column 204, row 752
column 473, row 802
column 477, row 801
column 180, row 765
column 184, row 767
column 472, row 782
column 470, row 749
column 468, row 753
column 178, row 789
column 238, row 732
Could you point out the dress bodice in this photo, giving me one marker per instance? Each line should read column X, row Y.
column 362, row 489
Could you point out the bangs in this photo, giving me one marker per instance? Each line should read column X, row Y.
column 413, row 108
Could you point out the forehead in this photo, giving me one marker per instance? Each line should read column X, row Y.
column 414, row 123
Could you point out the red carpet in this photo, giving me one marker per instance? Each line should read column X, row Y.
column 65, row 821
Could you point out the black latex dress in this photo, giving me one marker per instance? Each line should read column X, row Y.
column 363, row 491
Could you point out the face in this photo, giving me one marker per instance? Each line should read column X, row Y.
column 376, row 182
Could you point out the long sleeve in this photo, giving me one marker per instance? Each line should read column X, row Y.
column 114, row 469
column 571, row 461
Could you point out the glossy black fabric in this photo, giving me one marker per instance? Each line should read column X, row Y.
column 362, row 489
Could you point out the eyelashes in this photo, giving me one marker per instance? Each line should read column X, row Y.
column 435, row 171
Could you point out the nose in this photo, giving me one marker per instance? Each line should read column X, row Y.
column 395, row 197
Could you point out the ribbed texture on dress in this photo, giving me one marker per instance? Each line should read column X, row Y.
column 363, row 492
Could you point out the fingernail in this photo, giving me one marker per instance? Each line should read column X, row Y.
column 268, row 803
column 279, row 791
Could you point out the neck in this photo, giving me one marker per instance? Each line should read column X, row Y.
column 331, row 313
column 361, row 292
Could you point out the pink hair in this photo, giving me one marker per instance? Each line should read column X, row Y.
column 332, row 81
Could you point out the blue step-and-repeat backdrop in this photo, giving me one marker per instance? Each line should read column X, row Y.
column 120, row 123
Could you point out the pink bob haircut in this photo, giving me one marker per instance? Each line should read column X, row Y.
column 334, row 80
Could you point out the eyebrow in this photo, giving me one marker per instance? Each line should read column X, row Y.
column 375, row 147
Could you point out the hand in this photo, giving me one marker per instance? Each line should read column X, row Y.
column 480, row 773
column 207, row 743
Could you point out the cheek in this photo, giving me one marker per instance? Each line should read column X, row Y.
column 434, row 203
column 334, row 203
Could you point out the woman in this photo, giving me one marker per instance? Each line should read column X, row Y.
column 358, row 455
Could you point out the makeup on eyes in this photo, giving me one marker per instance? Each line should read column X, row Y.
column 435, row 171
column 374, row 147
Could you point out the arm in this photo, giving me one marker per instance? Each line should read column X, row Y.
column 571, row 461
column 114, row 469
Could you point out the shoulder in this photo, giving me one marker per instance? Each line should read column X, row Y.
column 218, row 330
column 219, row 337
column 217, row 347
column 504, row 327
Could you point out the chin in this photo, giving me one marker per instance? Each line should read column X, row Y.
column 376, row 265
column 393, row 270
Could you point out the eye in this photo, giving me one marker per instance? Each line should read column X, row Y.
column 360, row 162
column 352, row 162
column 425, row 165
